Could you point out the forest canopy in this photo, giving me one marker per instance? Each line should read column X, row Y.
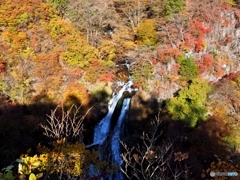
column 61, row 59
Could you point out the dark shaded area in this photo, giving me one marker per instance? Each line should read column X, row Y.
column 203, row 144
column 99, row 109
column 20, row 130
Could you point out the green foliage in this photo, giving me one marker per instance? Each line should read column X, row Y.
column 188, row 68
column 3, row 86
column 173, row 7
column 60, row 5
column 57, row 28
column 142, row 72
column 147, row 33
column 188, row 105
column 7, row 173
column 79, row 53
column 23, row 19
column 20, row 89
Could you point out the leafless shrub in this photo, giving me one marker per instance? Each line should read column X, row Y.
column 150, row 161
column 68, row 126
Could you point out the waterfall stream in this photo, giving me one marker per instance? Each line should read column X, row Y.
column 103, row 128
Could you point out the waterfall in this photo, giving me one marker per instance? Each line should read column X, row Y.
column 102, row 129
column 115, row 144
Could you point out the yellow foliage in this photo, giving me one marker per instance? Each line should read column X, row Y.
column 58, row 28
column 130, row 45
column 231, row 2
column 70, row 159
column 28, row 53
column 146, row 33
column 107, row 50
column 78, row 53
column 76, row 93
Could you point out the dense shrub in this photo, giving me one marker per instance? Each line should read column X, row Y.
column 174, row 6
column 188, row 105
column 188, row 69
column 146, row 33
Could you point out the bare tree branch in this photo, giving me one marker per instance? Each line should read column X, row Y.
column 68, row 126
column 149, row 161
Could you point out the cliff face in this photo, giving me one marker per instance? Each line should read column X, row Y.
column 208, row 33
column 224, row 38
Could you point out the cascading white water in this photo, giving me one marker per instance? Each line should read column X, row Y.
column 115, row 144
column 102, row 129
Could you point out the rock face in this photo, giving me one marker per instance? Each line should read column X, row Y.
column 122, row 74
column 142, row 106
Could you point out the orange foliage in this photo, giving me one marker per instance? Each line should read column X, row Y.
column 219, row 72
column 206, row 63
column 74, row 73
column 106, row 77
column 175, row 69
column 76, row 93
column 166, row 53
column 11, row 10
column 221, row 166
column 49, row 72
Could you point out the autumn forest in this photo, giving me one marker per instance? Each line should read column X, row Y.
column 59, row 64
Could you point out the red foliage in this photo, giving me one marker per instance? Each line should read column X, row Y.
column 208, row 60
column 2, row 67
column 106, row 77
column 136, row 85
column 199, row 26
column 202, row 68
column 188, row 40
column 194, row 37
column 95, row 63
column 225, row 6
column 198, row 30
column 199, row 44
column 206, row 63
column 164, row 54
column 219, row 72
column 154, row 61
column 232, row 75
